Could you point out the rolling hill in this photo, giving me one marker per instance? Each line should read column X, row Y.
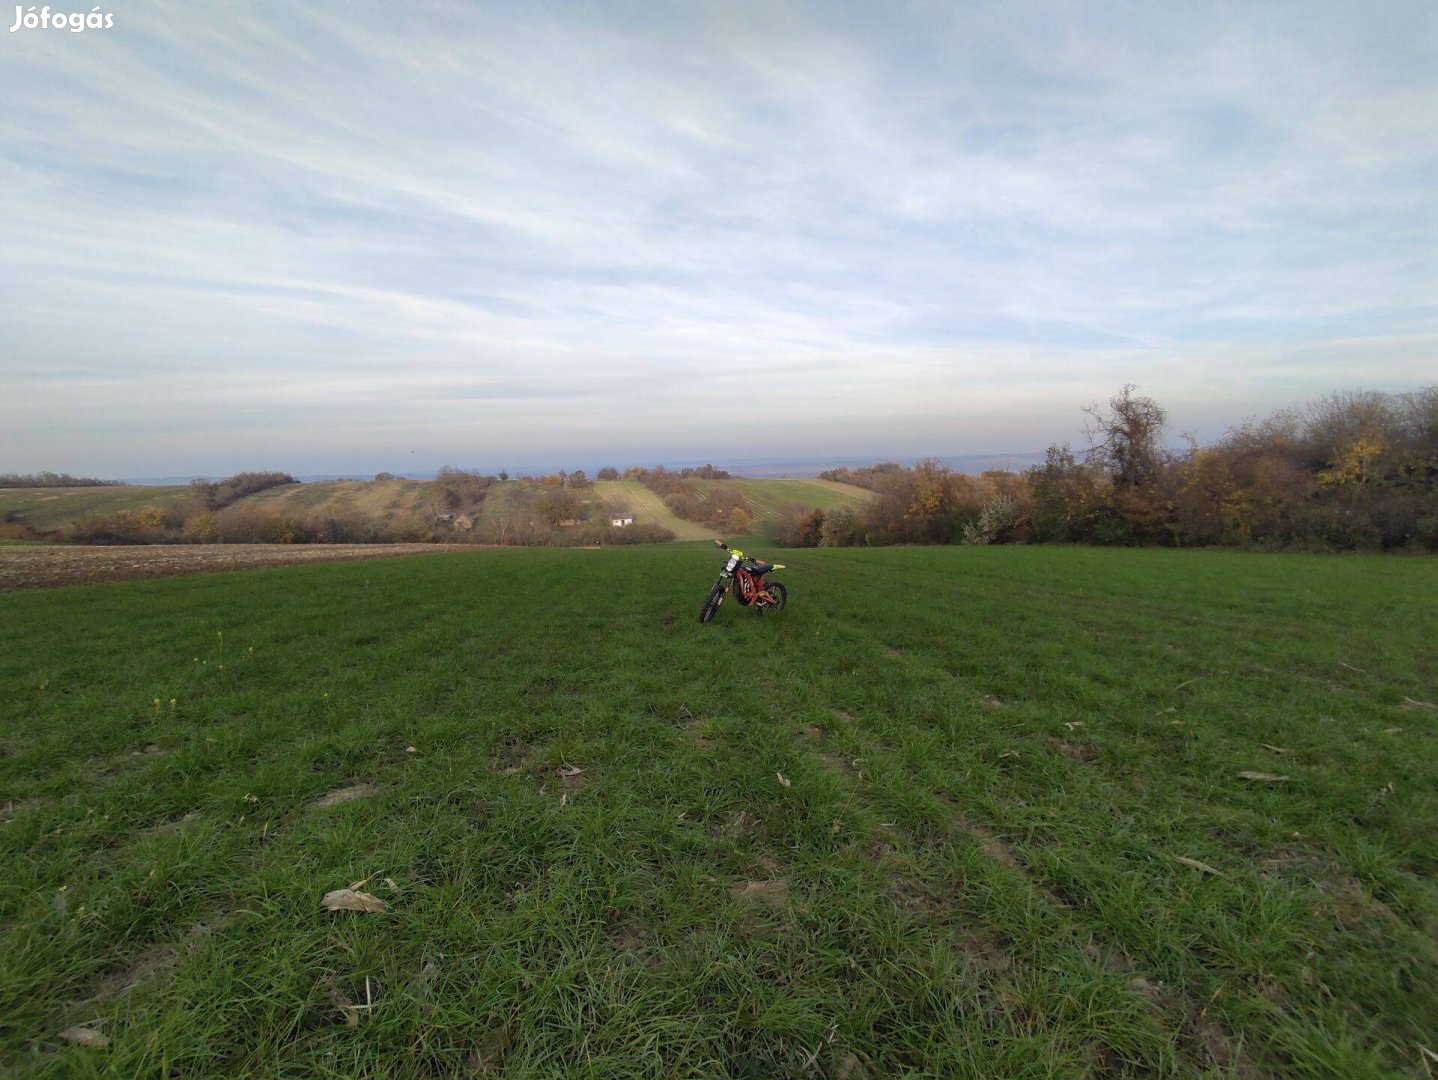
column 48, row 510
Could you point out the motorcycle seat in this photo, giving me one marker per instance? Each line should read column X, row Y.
column 759, row 567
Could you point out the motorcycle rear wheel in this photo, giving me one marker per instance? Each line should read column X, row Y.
column 780, row 595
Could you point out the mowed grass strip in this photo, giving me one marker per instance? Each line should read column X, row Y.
column 956, row 812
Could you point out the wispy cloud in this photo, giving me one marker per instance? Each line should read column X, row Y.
column 337, row 233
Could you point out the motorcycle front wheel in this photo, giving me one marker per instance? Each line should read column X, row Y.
column 780, row 595
column 711, row 603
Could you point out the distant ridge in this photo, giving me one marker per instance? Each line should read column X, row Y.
column 970, row 464
column 171, row 481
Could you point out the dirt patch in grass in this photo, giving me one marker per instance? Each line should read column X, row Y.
column 343, row 795
column 1345, row 900
column 49, row 566
column 173, row 824
column 514, row 757
column 911, row 896
column 13, row 808
column 992, row 846
column 984, row 948
column 697, row 730
column 774, row 891
column 1079, row 752
column 836, row 762
column 156, row 961
column 626, row 937
column 144, row 967
column 1290, row 861
column 1210, row 1044
column 740, row 823
column 567, row 778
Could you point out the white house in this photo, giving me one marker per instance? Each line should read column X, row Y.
column 621, row 520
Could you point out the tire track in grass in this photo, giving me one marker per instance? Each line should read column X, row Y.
column 1205, row 1036
column 1045, row 929
column 994, row 944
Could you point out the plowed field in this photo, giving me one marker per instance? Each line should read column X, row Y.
column 45, row 566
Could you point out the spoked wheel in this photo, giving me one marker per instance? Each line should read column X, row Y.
column 780, row 595
column 711, row 603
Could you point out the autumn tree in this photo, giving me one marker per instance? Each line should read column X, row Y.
column 1124, row 439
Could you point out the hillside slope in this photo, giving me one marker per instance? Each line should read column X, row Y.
column 45, row 509
column 648, row 506
column 376, row 498
column 50, row 509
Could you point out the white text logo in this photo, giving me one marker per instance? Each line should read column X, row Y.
column 45, row 19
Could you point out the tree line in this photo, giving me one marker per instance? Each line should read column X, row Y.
column 52, row 480
column 1352, row 471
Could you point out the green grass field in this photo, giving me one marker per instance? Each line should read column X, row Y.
column 963, row 812
column 771, row 498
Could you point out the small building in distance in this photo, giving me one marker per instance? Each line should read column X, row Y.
column 618, row 521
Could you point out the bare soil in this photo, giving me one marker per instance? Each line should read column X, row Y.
column 47, row 566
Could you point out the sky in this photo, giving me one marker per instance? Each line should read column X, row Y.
column 344, row 237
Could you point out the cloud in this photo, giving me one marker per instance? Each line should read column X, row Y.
column 552, row 228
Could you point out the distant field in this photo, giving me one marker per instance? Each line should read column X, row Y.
column 648, row 506
column 374, row 498
column 956, row 812
column 55, row 508
column 771, row 498
column 30, row 565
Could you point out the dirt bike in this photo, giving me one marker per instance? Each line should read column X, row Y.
column 744, row 575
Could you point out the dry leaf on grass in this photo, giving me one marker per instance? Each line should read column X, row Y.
column 85, row 1037
column 1009, row 753
column 1072, row 724
column 1413, row 703
column 783, row 780
column 568, row 770
column 1267, row 777
column 1195, row 864
column 350, row 900
column 1275, row 749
